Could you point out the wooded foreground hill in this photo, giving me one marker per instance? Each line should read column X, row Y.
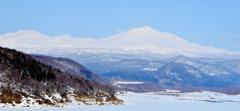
column 25, row 81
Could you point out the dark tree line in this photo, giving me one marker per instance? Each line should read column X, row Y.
column 25, row 65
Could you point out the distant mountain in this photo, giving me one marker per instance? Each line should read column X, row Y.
column 27, row 82
column 182, row 73
column 126, row 69
column 207, row 68
column 234, row 64
column 141, row 41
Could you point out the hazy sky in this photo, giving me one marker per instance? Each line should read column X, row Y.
column 207, row 22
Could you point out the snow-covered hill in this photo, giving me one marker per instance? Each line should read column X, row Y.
column 26, row 82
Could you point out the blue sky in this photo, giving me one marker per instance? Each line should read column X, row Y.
column 207, row 22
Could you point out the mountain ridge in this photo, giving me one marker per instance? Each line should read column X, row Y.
column 179, row 73
column 70, row 66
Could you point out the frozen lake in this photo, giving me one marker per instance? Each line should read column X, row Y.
column 157, row 102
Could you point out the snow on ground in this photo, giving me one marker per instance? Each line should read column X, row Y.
column 127, row 82
column 150, row 69
column 158, row 101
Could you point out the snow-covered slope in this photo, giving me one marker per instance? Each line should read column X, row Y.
column 207, row 68
column 138, row 40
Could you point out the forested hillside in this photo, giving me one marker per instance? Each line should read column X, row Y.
column 22, row 78
column 68, row 65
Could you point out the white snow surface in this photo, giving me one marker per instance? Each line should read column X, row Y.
column 134, row 41
column 170, row 100
column 127, row 82
column 150, row 69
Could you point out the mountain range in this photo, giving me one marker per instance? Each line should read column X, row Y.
column 140, row 41
column 182, row 73
column 154, row 60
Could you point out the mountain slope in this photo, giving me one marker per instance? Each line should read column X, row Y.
column 182, row 75
column 234, row 65
column 27, row 82
column 68, row 65
column 207, row 68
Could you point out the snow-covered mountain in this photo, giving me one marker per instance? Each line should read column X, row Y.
column 138, row 55
column 205, row 67
column 144, row 40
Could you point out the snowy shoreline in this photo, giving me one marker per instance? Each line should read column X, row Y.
column 141, row 101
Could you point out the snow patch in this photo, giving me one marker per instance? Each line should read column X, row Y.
column 150, row 69
column 127, row 82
